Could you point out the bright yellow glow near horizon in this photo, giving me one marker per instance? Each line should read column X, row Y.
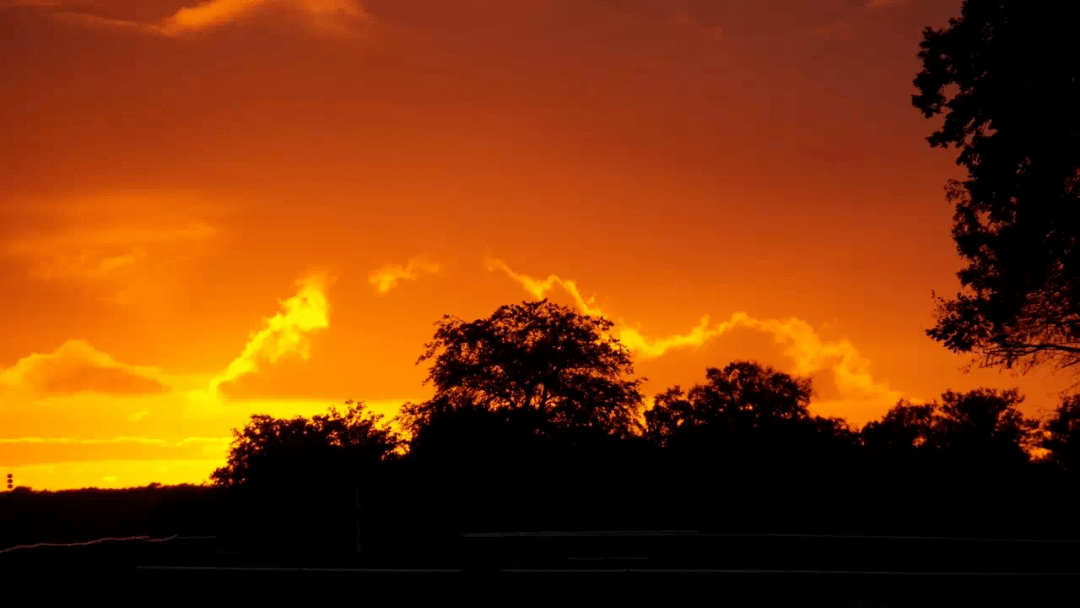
column 219, row 208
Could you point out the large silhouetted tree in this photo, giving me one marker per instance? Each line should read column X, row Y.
column 1004, row 74
column 531, row 407
column 539, row 362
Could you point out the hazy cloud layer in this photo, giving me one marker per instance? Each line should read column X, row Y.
column 104, row 253
column 77, row 367
column 125, row 249
column 337, row 17
column 390, row 276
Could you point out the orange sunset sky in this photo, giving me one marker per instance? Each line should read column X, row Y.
column 211, row 210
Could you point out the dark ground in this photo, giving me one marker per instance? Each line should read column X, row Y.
column 574, row 571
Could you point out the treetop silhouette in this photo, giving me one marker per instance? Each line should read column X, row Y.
column 980, row 428
column 338, row 444
column 740, row 398
column 539, row 360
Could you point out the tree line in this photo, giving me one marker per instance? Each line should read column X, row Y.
column 538, row 422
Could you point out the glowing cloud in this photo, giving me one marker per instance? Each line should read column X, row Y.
column 386, row 278
column 285, row 333
column 326, row 16
column 810, row 353
column 78, row 367
column 209, row 14
column 540, row 287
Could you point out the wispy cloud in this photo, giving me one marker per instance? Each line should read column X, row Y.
column 838, row 31
column 102, row 253
column 325, row 15
column 139, row 415
column 204, row 441
column 76, row 367
column 68, row 440
column 69, row 449
column 810, row 353
column 388, row 277
column 336, row 17
column 286, row 332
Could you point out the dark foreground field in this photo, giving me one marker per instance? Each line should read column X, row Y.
column 672, row 570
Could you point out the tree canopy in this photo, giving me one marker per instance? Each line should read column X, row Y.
column 981, row 427
column 298, row 450
column 1004, row 75
column 538, row 360
column 743, row 397
column 1061, row 438
column 903, row 432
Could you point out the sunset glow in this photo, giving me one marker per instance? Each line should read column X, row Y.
column 233, row 207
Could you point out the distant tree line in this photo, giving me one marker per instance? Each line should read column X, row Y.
column 538, row 423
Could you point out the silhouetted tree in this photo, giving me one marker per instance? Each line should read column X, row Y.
column 292, row 483
column 742, row 398
column 537, row 361
column 904, row 433
column 984, row 427
column 270, row 450
column 744, row 444
column 1004, row 74
column 533, row 408
column 1061, row 436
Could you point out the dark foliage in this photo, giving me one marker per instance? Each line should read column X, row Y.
column 534, row 360
column 284, row 472
column 1061, row 437
column 272, row 451
column 1004, row 75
